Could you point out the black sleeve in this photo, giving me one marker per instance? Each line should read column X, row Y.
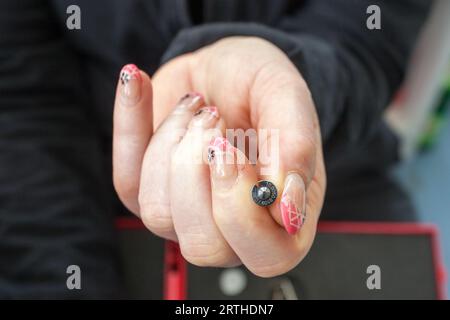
column 53, row 211
column 351, row 71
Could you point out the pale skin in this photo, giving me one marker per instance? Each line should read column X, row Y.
column 208, row 208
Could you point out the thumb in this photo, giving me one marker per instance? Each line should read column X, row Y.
column 288, row 139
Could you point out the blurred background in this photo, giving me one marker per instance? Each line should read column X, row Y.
column 420, row 115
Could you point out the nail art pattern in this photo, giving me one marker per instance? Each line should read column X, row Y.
column 211, row 110
column 293, row 218
column 129, row 72
column 221, row 143
column 211, row 155
column 218, row 144
column 190, row 95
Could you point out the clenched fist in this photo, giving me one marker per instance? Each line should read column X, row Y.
column 175, row 169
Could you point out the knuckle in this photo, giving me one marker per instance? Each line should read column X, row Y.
column 279, row 266
column 207, row 255
column 273, row 270
column 157, row 219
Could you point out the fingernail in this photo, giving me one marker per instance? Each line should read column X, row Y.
column 221, row 157
column 205, row 117
column 293, row 203
column 190, row 101
column 130, row 80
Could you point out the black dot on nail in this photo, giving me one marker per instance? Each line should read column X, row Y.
column 187, row 95
column 211, row 155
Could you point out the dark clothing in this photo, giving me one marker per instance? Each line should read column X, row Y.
column 56, row 197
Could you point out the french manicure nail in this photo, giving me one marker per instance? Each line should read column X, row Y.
column 212, row 110
column 130, row 80
column 221, row 144
column 221, row 157
column 293, row 203
column 190, row 101
column 205, row 117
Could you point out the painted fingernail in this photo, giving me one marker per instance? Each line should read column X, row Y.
column 205, row 117
column 221, row 144
column 130, row 81
column 190, row 101
column 212, row 110
column 221, row 157
column 293, row 203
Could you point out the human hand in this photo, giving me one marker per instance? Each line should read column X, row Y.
column 208, row 208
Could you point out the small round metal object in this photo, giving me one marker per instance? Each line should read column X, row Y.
column 264, row 193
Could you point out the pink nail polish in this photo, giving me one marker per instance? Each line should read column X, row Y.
column 197, row 94
column 223, row 164
column 221, row 144
column 129, row 72
column 293, row 203
column 218, row 144
column 205, row 118
column 210, row 109
column 130, row 79
column 190, row 101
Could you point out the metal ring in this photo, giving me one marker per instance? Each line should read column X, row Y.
column 264, row 193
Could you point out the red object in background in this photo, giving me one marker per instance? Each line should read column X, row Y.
column 175, row 267
column 175, row 276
